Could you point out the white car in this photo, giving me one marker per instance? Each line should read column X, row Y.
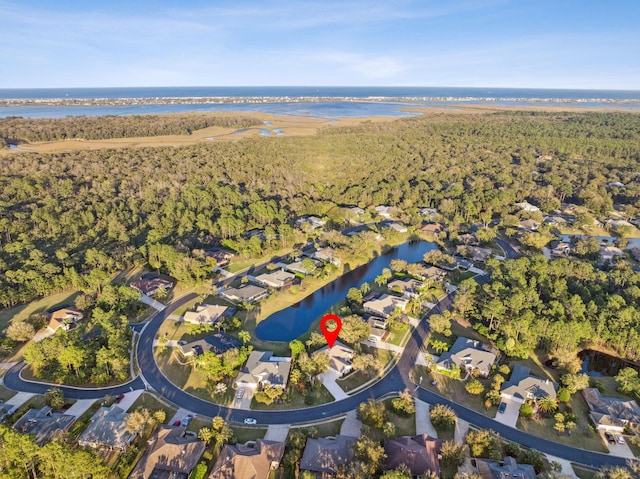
column 250, row 420
column 240, row 393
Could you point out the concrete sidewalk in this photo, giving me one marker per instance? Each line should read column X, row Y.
column 383, row 345
column 351, row 425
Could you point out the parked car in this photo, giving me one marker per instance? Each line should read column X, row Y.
column 186, row 420
column 250, row 420
column 182, row 342
column 610, row 438
column 619, row 438
column 502, row 407
column 176, row 423
column 240, row 393
column 119, row 398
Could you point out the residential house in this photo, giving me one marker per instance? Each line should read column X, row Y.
column 434, row 273
column 324, row 456
column 469, row 355
column 611, row 414
column 299, row 267
column 355, row 211
column 474, row 253
column 419, row 454
column 384, row 305
column 433, row 229
column 312, row 221
column 65, row 318
column 555, row 220
column 526, row 206
column 44, row 424
column 107, row 430
column 617, row 184
column 149, row 284
column 217, row 343
column 260, row 234
column 208, row 314
column 607, row 253
column 171, row 454
column 222, row 256
column 326, row 255
column 395, row 226
column 508, row 468
column 384, row 211
column 340, row 356
column 529, row 225
column 377, row 330
column 561, row 249
column 522, row 386
column 277, row 279
column 263, row 368
column 428, row 212
column 248, row 292
column 253, row 460
column 469, row 239
column 409, row 288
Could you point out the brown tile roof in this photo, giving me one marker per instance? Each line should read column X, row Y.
column 248, row 461
column 169, row 451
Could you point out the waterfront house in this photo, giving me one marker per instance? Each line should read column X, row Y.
column 171, row 453
column 253, row 460
column 561, row 249
column 326, row 255
column 248, row 292
column 433, row 229
column 409, row 288
column 277, row 279
column 469, row 355
column 384, row 305
column 340, row 356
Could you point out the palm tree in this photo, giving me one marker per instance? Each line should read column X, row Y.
column 547, row 405
column 365, row 288
column 244, row 336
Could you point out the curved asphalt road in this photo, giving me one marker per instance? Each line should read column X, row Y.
column 396, row 380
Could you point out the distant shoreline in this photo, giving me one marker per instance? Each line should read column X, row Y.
column 227, row 100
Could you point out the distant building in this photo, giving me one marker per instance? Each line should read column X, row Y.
column 253, row 460
column 607, row 253
column 526, row 206
column 312, row 221
column 434, row 229
column 529, row 225
column 170, row 454
column 428, row 212
column 469, row 355
column 327, row 255
column 248, row 292
column 222, row 256
column 561, row 249
column 384, row 211
column 44, row 424
column 325, row 455
column 395, row 226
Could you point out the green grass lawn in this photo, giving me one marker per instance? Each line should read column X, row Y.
column 23, row 311
column 358, row 378
column 399, row 337
column 6, row 394
column 319, row 395
column 326, row 429
column 584, row 472
column 243, row 434
column 583, row 435
column 454, row 389
column 405, row 426
column 456, row 277
column 148, row 400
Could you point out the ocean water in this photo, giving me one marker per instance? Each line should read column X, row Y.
column 344, row 101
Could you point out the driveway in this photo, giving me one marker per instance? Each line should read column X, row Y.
column 619, row 450
column 328, row 379
column 245, row 401
column 510, row 415
column 423, row 423
column 80, row 407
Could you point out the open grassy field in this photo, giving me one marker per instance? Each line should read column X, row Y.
column 23, row 311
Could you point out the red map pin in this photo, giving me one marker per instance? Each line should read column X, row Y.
column 330, row 336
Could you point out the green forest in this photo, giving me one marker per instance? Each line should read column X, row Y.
column 70, row 219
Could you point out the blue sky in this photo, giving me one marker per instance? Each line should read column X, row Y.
column 484, row 43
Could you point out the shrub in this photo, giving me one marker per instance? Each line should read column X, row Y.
column 526, row 410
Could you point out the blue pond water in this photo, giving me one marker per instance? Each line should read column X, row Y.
column 295, row 320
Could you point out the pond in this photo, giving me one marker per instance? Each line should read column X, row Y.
column 295, row 320
column 596, row 363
